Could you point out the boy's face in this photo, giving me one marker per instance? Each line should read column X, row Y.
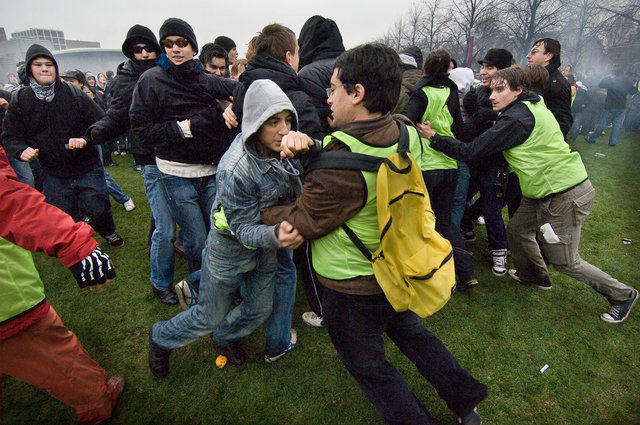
column 502, row 95
column 274, row 129
column 486, row 72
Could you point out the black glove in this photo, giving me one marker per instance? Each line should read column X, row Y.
column 484, row 116
column 95, row 269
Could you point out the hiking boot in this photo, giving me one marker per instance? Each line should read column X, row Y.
column 545, row 286
column 618, row 313
column 115, row 240
column 312, row 319
column 166, row 296
column 235, row 353
column 499, row 259
column 291, row 346
column 129, row 205
column 462, row 287
column 187, row 295
column 158, row 359
column 473, row 418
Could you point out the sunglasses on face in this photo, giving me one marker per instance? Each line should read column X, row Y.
column 181, row 42
column 139, row 49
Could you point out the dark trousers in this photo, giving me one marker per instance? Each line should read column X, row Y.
column 441, row 185
column 355, row 324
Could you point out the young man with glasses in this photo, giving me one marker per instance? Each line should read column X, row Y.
column 174, row 115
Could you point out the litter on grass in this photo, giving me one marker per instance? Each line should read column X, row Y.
column 544, row 368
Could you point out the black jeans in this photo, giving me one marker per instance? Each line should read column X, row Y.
column 355, row 324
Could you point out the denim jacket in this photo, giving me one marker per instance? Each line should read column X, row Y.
column 247, row 180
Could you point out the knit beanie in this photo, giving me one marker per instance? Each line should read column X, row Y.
column 38, row 51
column 138, row 34
column 176, row 26
column 225, row 42
column 416, row 53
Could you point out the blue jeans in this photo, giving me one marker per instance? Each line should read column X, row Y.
column 355, row 324
column 460, row 197
column 578, row 119
column 23, row 171
column 441, row 185
column 161, row 254
column 84, row 196
column 227, row 265
column 190, row 202
column 114, row 190
column 616, row 116
column 278, row 329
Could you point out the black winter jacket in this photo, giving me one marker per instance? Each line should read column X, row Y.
column 557, row 98
column 265, row 66
column 166, row 94
column 116, row 121
column 618, row 88
column 48, row 126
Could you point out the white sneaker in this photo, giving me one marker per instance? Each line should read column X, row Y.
column 499, row 259
column 129, row 205
column 479, row 221
column 312, row 319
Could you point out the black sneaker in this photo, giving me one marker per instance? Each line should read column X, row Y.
column 235, row 353
column 462, row 287
column 158, row 359
column 618, row 313
column 473, row 418
column 545, row 285
column 166, row 296
column 115, row 240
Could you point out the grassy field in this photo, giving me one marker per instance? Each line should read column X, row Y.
column 502, row 332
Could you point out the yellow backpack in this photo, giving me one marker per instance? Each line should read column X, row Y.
column 414, row 263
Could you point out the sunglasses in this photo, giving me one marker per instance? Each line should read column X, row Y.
column 139, row 49
column 181, row 42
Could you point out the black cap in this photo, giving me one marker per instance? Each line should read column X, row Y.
column 37, row 51
column 226, row 43
column 76, row 74
column 500, row 58
column 176, row 26
column 138, row 34
column 416, row 53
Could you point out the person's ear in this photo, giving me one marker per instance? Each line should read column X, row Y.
column 359, row 92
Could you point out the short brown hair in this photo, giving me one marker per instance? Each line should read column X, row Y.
column 437, row 62
column 514, row 77
column 276, row 40
column 538, row 75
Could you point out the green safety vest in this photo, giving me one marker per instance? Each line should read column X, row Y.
column 334, row 255
column 544, row 163
column 20, row 286
column 441, row 120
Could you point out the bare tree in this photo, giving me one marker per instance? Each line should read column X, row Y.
column 582, row 32
column 468, row 19
column 528, row 20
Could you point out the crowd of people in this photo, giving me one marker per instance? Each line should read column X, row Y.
column 225, row 147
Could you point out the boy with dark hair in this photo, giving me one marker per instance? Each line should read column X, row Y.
column 557, row 193
column 356, row 311
column 214, row 59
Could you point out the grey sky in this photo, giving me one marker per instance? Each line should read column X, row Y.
column 108, row 21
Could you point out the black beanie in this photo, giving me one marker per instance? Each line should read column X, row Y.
column 176, row 26
column 38, row 51
column 225, row 42
column 139, row 34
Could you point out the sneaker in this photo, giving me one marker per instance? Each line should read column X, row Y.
column 618, row 313
column 235, row 353
column 158, row 359
column 292, row 344
column 123, row 153
column 115, row 240
column 462, row 287
column 117, row 383
column 469, row 236
column 545, row 286
column 129, row 205
column 187, row 295
column 479, row 221
column 473, row 418
column 312, row 319
column 166, row 296
column 499, row 259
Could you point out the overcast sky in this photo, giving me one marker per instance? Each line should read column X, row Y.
column 108, row 21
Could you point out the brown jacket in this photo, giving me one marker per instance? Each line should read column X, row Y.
column 331, row 197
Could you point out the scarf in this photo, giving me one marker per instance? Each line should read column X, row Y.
column 42, row 92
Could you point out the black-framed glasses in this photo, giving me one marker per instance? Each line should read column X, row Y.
column 140, row 48
column 181, row 42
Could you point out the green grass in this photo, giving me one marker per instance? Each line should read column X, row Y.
column 502, row 332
